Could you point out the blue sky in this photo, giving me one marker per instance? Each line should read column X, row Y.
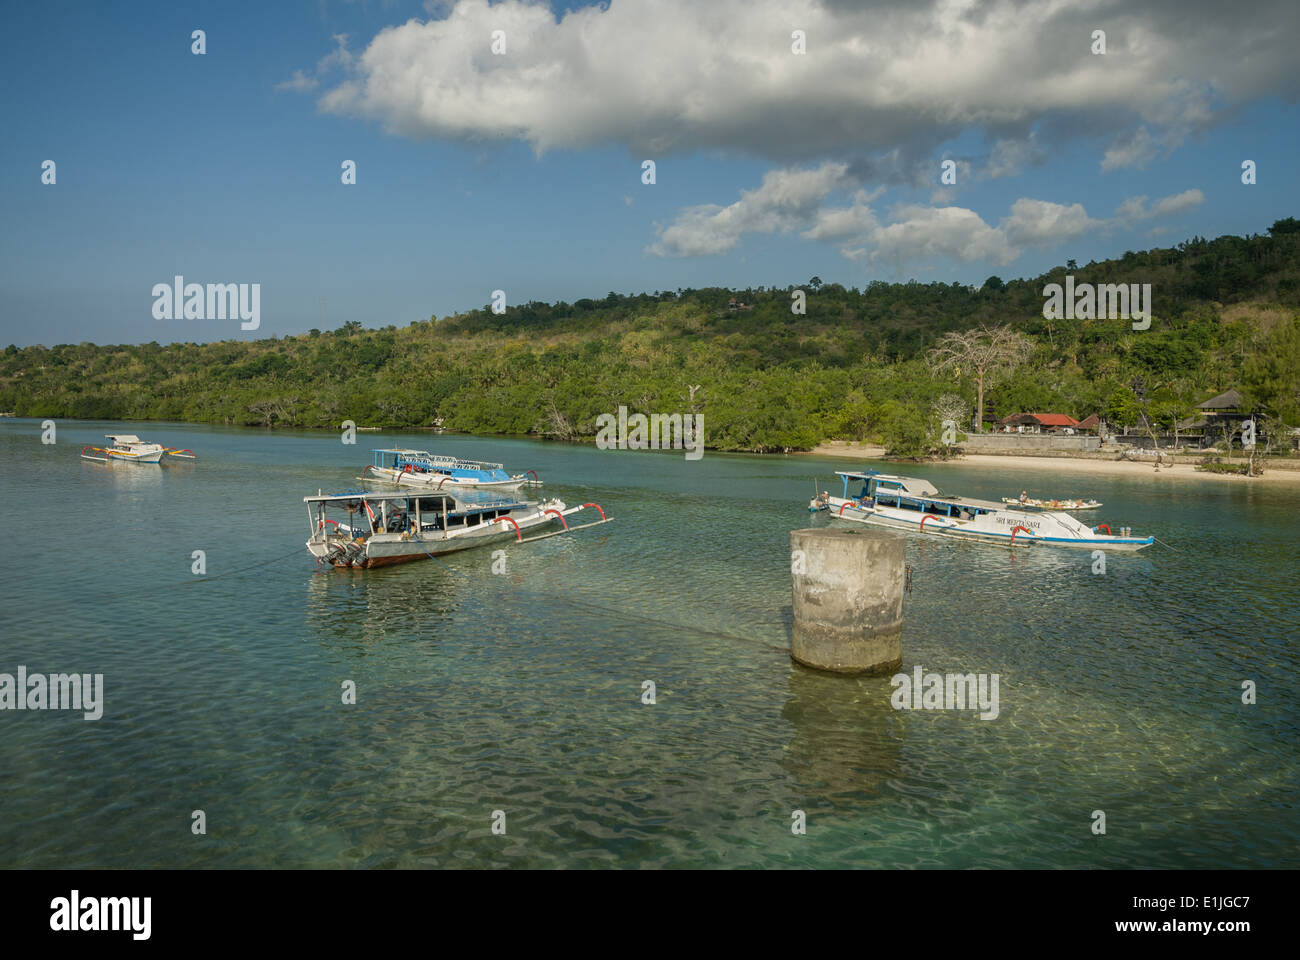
column 522, row 171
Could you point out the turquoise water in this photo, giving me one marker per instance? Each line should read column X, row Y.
column 522, row 692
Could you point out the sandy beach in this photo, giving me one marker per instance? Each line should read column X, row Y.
column 1273, row 475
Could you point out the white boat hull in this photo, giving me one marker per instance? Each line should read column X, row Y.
column 437, row 481
column 342, row 549
column 148, row 456
column 1018, row 528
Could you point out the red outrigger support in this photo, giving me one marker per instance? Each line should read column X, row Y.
column 1017, row 529
column 1103, row 526
column 519, row 535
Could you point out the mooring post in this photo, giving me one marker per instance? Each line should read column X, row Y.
column 848, row 599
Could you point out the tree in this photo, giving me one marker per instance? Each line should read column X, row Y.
column 1171, row 404
column 952, row 407
column 988, row 353
column 905, row 433
column 1122, row 407
column 815, row 283
column 1270, row 378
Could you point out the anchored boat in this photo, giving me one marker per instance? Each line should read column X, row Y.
column 419, row 468
column 387, row 528
column 130, row 448
column 915, row 504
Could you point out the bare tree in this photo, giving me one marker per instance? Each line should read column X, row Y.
column 986, row 354
column 556, row 424
column 270, row 410
column 1229, row 431
column 952, row 407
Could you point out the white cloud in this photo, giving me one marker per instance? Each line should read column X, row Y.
column 787, row 200
column 927, row 232
column 1178, row 203
column 1040, row 223
column 298, row 83
column 682, row 75
column 339, row 58
column 1009, row 157
column 1131, row 150
column 1135, row 208
column 800, row 200
column 842, row 223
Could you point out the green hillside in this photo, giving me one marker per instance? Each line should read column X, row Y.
column 1227, row 314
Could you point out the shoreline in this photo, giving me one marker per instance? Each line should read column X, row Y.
column 1186, row 470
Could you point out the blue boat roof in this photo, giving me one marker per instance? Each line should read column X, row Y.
column 439, row 459
column 464, row 499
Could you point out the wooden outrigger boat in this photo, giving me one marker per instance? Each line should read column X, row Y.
column 129, row 448
column 910, row 503
column 388, row 528
column 420, row 469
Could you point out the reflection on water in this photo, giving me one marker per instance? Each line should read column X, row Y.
column 847, row 740
column 523, row 691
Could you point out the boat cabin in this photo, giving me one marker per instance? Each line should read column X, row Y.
column 403, row 460
column 375, row 513
column 910, row 493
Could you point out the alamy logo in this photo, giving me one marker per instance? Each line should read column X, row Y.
column 1109, row 301
column 659, row 431
column 58, row 691
column 946, row 691
column 72, row 914
column 179, row 300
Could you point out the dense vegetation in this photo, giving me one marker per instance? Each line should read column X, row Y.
column 1226, row 314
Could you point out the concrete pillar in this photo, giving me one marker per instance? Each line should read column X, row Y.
column 848, row 599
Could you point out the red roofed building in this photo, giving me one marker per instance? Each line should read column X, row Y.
column 1039, row 423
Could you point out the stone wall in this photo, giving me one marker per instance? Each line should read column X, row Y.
column 1030, row 444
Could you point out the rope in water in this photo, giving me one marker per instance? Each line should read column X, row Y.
column 230, row 573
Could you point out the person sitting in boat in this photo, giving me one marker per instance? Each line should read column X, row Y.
column 1024, row 496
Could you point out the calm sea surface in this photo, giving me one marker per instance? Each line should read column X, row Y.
column 522, row 692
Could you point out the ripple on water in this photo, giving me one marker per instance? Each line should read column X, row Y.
column 522, row 692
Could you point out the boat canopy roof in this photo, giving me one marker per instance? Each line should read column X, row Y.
column 890, row 481
column 915, row 488
column 463, row 499
column 123, row 437
column 425, row 456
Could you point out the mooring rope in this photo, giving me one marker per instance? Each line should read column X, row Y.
column 230, row 573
